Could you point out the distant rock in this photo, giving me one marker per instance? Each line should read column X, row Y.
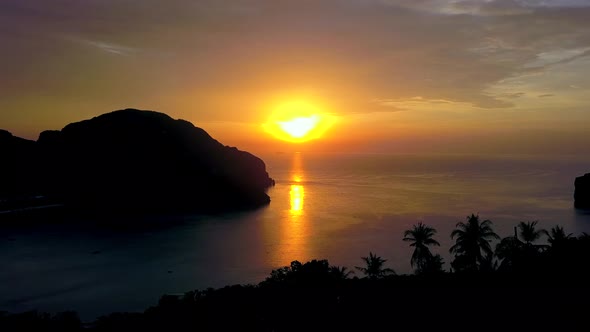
column 582, row 192
column 140, row 161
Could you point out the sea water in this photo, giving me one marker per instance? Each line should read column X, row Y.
column 338, row 207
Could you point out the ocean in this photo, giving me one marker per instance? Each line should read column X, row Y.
column 338, row 207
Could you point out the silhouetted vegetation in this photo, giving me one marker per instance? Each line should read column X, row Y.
column 472, row 247
column 521, row 285
column 422, row 259
column 374, row 267
column 557, row 236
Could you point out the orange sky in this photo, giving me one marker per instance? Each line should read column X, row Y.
column 502, row 76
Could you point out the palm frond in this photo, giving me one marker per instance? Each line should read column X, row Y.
column 431, row 242
column 457, row 232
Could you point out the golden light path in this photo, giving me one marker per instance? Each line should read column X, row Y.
column 289, row 235
column 298, row 121
column 296, row 194
column 295, row 228
column 292, row 232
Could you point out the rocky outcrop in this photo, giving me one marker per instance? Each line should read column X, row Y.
column 144, row 161
column 582, row 192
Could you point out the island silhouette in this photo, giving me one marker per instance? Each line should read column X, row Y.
column 129, row 161
column 582, row 192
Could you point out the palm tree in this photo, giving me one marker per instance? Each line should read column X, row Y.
column 528, row 233
column 509, row 251
column 473, row 238
column 374, row 269
column 557, row 235
column 420, row 237
column 340, row 272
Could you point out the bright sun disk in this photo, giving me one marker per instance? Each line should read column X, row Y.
column 298, row 122
column 299, row 127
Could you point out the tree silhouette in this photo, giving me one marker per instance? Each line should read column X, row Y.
column 340, row 273
column 529, row 233
column 488, row 264
column 420, row 237
column 557, row 236
column 374, row 269
column 522, row 255
column 565, row 255
column 509, row 251
column 314, row 271
column 432, row 265
column 472, row 244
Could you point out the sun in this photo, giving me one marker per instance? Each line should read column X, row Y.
column 298, row 121
column 299, row 127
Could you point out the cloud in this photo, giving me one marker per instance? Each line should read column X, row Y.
column 555, row 3
column 485, row 7
column 558, row 56
column 110, row 47
column 360, row 55
column 418, row 103
column 464, row 7
column 514, row 95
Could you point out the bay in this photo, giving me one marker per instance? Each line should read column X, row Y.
column 333, row 206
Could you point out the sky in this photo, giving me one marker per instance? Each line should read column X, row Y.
column 444, row 76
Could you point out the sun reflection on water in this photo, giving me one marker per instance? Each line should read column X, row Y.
column 289, row 236
column 294, row 226
column 296, row 194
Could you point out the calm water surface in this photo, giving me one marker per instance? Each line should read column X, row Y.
column 338, row 207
